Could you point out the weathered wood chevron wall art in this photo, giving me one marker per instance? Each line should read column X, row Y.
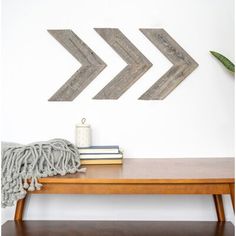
column 137, row 64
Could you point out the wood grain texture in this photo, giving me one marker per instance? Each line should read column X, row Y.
column 138, row 64
column 155, row 170
column 117, row 228
column 111, row 188
column 219, row 207
column 148, row 176
column 232, row 194
column 183, row 64
column 92, row 65
column 20, row 205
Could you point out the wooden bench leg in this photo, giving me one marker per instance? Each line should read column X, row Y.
column 232, row 194
column 219, row 207
column 20, row 209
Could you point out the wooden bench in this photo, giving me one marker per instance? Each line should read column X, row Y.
column 213, row 176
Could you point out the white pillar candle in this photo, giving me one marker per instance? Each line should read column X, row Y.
column 83, row 134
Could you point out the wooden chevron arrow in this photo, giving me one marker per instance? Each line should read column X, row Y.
column 183, row 64
column 138, row 64
column 92, row 65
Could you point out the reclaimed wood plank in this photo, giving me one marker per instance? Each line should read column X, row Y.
column 138, row 64
column 183, row 64
column 91, row 67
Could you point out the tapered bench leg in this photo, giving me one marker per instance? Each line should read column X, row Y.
column 219, row 207
column 20, row 205
column 232, row 193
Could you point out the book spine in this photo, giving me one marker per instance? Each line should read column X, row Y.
column 101, row 162
column 97, row 151
column 101, row 156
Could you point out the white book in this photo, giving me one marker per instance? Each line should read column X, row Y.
column 97, row 156
column 99, row 149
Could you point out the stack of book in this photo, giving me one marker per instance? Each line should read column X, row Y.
column 101, row 155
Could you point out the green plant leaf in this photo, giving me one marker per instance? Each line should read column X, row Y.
column 225, row 61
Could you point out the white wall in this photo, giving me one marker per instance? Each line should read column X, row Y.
column 195, row 120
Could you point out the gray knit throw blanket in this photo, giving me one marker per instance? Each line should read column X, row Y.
column 22, row 165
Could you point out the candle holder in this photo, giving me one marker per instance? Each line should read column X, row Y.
column 83, row 134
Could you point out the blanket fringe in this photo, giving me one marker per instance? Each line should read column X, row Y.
column 24, row 163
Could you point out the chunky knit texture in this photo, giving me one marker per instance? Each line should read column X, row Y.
column 22, row 165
